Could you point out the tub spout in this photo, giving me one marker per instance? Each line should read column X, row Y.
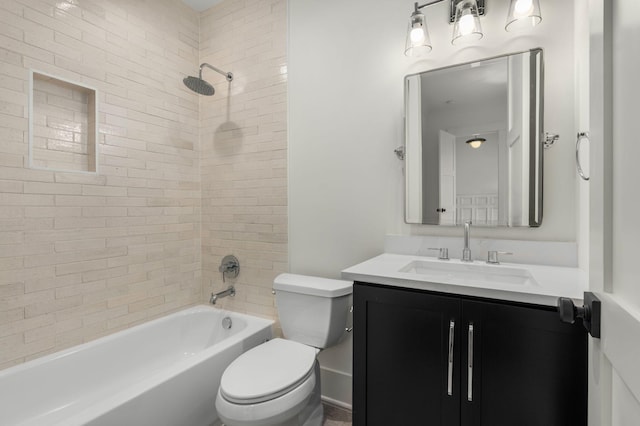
column 231, row 291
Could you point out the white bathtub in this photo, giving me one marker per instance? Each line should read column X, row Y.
column 164, row 372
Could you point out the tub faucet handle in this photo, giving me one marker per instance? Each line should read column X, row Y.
column 229, row 267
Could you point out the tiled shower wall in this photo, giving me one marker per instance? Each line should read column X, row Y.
column 83, row 255
column 244, row 150
column 63, row 130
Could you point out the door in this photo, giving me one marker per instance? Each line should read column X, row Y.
column 403, row 372
column 447, row 143
column 614, row 227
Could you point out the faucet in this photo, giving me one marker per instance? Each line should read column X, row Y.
column 229, row 267
column 466, row 251
column 231, row 291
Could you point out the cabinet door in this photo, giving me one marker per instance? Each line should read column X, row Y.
column 528, row 369
column 401, row 358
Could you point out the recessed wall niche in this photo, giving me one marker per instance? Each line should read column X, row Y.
column 62, row 125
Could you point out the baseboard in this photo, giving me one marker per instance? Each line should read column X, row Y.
column 336, row 387
column 335, row 403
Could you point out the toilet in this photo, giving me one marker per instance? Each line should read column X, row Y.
column 278, row 382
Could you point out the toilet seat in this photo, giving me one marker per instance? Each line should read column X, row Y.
column 267, row 372
column 270, row 412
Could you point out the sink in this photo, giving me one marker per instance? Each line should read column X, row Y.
column 525, row 283
column 469, row 273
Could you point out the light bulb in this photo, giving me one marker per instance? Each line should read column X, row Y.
column 417, row 35
column 466, row 24
column 476, row 141
column 523, row 14
column 523, row 8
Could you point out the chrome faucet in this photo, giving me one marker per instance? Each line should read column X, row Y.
column 231, row 291
column 466, row 251
column 229, row 267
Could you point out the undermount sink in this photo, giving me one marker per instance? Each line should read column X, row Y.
column 525, row 283
column 471, row 273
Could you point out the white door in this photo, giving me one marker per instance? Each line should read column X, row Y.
column 447, row 178
column 614, row 256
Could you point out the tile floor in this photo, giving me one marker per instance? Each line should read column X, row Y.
column 335, row 416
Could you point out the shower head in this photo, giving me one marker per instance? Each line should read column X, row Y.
column 198, row 85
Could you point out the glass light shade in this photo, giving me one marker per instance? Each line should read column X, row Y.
column 418, row 40
column 466, row 26
column 475, row 142
column 523, row 14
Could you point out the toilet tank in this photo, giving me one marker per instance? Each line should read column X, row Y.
column 312, row 310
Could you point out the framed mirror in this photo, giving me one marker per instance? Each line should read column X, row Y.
column 473, row 143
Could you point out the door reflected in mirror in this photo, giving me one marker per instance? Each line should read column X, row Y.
column 473, row 143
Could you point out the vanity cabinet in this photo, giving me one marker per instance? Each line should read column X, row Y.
column 425, row 358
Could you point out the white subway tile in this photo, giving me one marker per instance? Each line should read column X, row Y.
column 77, row 257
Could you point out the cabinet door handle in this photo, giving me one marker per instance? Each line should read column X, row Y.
column 452, row 326
column 470, row 365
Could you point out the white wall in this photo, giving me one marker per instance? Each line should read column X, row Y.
column 346, row 68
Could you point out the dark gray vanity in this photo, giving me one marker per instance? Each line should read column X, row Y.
column 428, row 358
column 453, row 343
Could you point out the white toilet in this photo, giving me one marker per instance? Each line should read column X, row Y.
column 278, row 382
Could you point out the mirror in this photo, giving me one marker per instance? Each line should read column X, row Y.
column 473, row 148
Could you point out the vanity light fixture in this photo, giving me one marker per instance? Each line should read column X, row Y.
column 462, row 13
column 418, row 40
column 523, row 14
column 466, row 26
column 476, row 141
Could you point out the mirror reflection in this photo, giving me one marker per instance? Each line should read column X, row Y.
column 473, row 143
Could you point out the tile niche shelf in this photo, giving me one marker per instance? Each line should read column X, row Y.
column 63, row 119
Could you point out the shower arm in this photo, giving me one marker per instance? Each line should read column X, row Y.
column 228, row 75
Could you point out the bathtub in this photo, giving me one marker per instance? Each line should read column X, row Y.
column 164, row 372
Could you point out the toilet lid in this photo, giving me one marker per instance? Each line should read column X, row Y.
column 267, row 371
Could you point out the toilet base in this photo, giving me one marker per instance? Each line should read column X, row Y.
column 312, row 414
column 316, row 417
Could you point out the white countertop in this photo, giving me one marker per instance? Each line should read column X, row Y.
column 549, row 282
